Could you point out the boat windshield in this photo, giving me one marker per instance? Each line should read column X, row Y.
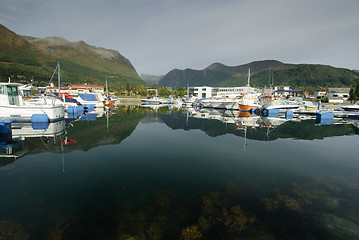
column 13, row 95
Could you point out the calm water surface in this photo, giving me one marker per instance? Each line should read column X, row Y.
column 145, row 174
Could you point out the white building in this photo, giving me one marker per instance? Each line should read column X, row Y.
column 207, row 92
column 223, row 91
column 338, row 95
column 200, row 92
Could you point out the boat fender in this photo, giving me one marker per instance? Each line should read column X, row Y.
column 39, row 118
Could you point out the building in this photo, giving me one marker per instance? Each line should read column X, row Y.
column 337, row 95
column 200, row 92
column 76, row 89
column 223, row 91
column 207, row 92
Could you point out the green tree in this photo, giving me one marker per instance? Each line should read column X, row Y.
column 351, row 94
column 356, row 93
column 163, row 91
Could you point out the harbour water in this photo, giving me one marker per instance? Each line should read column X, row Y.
column 165, row 174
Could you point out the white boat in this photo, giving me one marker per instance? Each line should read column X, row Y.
column 248, row 102
column 213, row 103
column 352, row 107
column 90, row 99
column 189, row 101
column 12, row 106
column 27, row 130
column 282, row 105
column 152, row 101
column 51, row 100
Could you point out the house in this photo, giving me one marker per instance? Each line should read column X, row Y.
column 337, row 95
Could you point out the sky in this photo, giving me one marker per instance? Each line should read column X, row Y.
column 158, row 36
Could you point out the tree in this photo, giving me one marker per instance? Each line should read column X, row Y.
column 163, row 91
column 351, row 94
column 356, row 93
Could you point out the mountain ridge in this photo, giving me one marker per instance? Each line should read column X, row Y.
column 263, row 73
column 26, row 57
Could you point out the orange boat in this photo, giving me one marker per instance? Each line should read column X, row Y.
column 249, row 101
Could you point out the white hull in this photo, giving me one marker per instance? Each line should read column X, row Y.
column 231, row 105
column 150, row 102
column 284, row 107
column 24, row 112
column 25, row 130
column 97, row 104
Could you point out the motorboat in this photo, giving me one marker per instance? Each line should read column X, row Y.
column 152, row 101
column 352, row 107
column 282, row 105
column 52, row 100
column 90, row 99
column 248, row 102
column 12, row 106
column 27, row 130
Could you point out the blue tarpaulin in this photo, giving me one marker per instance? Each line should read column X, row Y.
column 88, row 117
column 88, row 97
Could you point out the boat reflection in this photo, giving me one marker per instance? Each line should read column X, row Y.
column 12, row 144
column 215, row 122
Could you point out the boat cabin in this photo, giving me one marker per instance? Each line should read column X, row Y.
column 9, row 94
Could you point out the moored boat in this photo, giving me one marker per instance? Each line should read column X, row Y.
column 12, row 106
column 248, row 102
column 352, row 107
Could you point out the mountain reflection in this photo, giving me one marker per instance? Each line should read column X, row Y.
column 104, row 128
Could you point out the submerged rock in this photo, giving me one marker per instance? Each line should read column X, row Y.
column 345, row 229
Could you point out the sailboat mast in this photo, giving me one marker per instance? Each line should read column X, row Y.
column 106, row 88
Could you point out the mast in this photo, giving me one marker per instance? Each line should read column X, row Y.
column 270, row 68
column 106, row 88
column 249, row 77
column 59, row 76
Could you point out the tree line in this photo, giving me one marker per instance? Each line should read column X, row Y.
column 149, row 91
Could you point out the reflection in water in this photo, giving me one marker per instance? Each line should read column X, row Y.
column 142, row 173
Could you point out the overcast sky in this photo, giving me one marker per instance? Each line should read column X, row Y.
column 160, row 35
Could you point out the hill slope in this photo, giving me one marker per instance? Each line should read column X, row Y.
column 23, row 58
column 262, row 73
column 151, row 79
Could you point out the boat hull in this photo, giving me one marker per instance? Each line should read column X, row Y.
column 350, row 108
column 246, row 108
column 24, row 112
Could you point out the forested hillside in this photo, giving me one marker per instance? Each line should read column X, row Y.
column 25, row 58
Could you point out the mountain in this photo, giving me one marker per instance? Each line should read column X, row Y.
column 25, row 57
column 151, row 79
column 262, row 73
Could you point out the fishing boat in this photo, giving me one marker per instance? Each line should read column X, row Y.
column 12, row 106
